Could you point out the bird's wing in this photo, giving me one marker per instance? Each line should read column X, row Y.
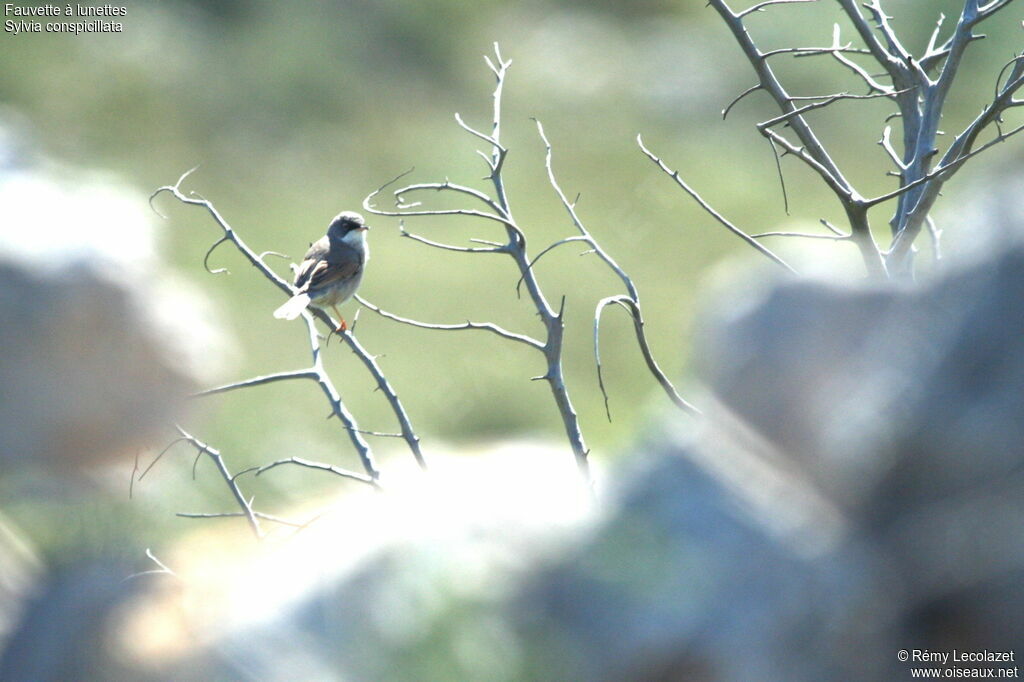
column 313, row 259
column 326, row 263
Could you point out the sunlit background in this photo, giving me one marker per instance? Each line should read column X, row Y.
column 295, row 111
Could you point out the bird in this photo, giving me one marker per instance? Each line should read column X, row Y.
column 331, row 270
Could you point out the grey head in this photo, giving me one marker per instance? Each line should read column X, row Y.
column 346, row 222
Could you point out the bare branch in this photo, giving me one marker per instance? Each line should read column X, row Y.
column 206, row 259
column 485, row 326
column 408, row 433
column 931, row 49
column 228, row 515
column 782, row 178
column 218, row 460
column 735, row 101
column 633, row 309
column 259, row 381
column 319, row 466
column 551, row 247
column 984, row 12
column 449, row 247
column 905, row 238
column 338, row 407
column 845, row 195
column 158, row 457
column 872, row 84
column 898, row 70
column 837, row 50
column 473, row 131
column 771, row 84
column 886, row 143
column 943, row 168
column 826, row 101
column 442, row 212
column 516, row 248
column 451, row 187
column 895, row 47
column 804, row 235
column 830, row 227
column 571, row 210
column 761, row 5
column 707, row 207
column 161, row 569
column 801, row 52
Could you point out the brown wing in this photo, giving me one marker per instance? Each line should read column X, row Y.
column 326, row 263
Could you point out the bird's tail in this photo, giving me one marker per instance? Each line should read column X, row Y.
column 293, row 307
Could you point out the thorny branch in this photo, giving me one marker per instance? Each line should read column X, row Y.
column 630, row 302
column 499, row 211
column 204, row 449
column 515, row 247
column 316, row 372
column 707, row 207
column 919, row 97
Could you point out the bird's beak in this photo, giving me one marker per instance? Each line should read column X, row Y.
column 364, row 228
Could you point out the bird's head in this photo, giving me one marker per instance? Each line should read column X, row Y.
column 345, row 223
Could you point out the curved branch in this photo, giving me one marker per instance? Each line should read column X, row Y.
column 206, row 259
column 451, row 187
column 736, row 100
column 550, row 247
column 638, row 325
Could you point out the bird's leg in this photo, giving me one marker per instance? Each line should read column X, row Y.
column 342, row 326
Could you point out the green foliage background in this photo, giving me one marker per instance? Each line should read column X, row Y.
column 298, row 110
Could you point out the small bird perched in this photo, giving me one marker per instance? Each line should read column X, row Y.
column 331, row 270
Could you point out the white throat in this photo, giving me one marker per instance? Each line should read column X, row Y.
column 357, row 239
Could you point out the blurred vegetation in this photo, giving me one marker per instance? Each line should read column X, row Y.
column 296, row 111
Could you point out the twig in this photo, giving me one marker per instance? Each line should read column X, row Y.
column 206, row 259
column 161, row 569
column 826, row 101
column 228, row 515
column 735, row 101
column 805, row 235
column 483, row 326
column 761, row 5
column 551, row 247
column 707, row 207
column 259, row 381
column 633, row 309
column 218, row 460
column 319, row 466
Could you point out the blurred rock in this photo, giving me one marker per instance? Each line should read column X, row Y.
column 89, row 374
column 855, row 488
column 85, row 376
column 98, row 347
